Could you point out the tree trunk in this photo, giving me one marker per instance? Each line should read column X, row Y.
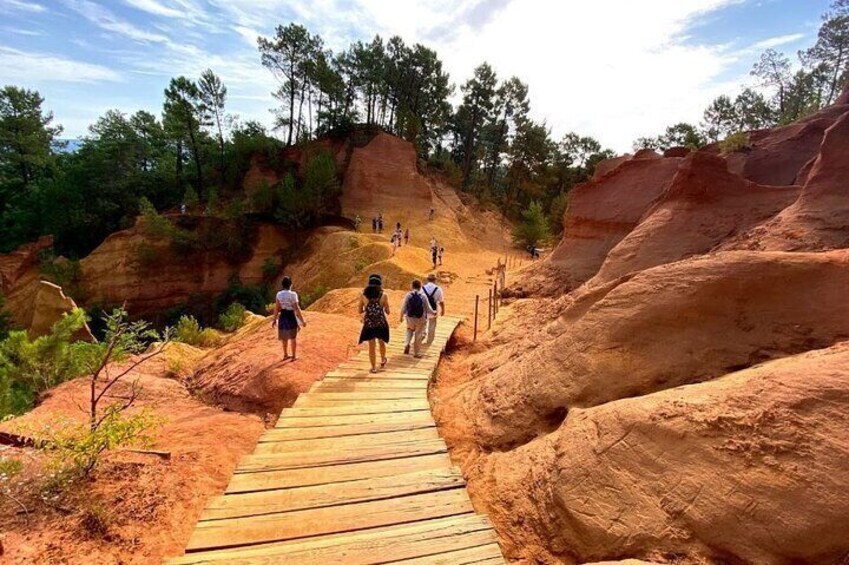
column 291, row 101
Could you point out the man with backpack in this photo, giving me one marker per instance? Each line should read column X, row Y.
column 435, row 297
column 415, row 309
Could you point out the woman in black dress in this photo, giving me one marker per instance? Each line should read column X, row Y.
column 374, row 307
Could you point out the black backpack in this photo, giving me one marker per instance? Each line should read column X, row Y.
column 430, row 297
column 415, row 305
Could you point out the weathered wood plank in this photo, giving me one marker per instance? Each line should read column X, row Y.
column 346, row 430
column 321, row 409
column 364, row 385
column 397, row 439
column 290, row 420
column 360, row 490
column 390, row 543
column 396, row 404
column 318, row 521
column 301, row 459
column 292, row 478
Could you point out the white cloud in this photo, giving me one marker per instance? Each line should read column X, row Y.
column 22, row 6
column 106, row 20
column 28, row 67
column 778, row 41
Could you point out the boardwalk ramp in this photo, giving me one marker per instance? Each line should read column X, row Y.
column 355, row 472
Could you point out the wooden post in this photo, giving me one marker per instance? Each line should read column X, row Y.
column 489, row 311
column 477, row 300
column 495, row 298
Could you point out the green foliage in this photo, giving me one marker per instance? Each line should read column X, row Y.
column 60, row 271
column 557, row 212
column 5, row 319
column 534, row 227
column 308, row 297
column 678, row 135
column 304, row 206
column 9, row 469
column 190, row 198
column 270, row 269
column 76, row 449
column 232, row 318
column 190, row 332
column 738, row 141
column 29, row 367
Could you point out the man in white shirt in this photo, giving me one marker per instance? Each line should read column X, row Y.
column 435, row 297
column 416, row 310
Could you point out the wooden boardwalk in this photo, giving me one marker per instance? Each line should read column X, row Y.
column 355, row 472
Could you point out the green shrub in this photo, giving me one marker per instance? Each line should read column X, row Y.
column 232, row 318
column 308, row 297
column 270, row 269
column 734, row 143
column 534, row 226
column 60, row 271
column 29, row 367
column 146, row 255
column 557, row 212
column 5, row 319
column 190, row 332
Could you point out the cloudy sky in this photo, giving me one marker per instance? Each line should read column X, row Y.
column 614, row 69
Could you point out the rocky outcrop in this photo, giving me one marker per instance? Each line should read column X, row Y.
column 145, row 273
column 48, row 306
column 605, row 210
column 686, row 322
column 778, row 156
column 704, row 206
column 747, row 468
column 819, row 219
column 248, row 373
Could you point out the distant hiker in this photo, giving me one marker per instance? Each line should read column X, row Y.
column 396, row 241
column 374, row 307
column 287, row 314
column 434, row 255
column 533, row 252
column 398, row 226
column 441, row 253
column 407, row 236
column 435, row 297
column 183, row 209
column 430, row 215
column 357, row 221
column 432, row 243
column 380, row 224
column 414, row 310
column 374, row 224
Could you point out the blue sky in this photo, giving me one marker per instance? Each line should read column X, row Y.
column 615, row 69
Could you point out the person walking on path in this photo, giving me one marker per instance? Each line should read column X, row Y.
column 434, row 254
column 430, row 215
column 357, row 221
column 380, row 224
column 374, row 225
column 374, row 308
column 441, row 253
column 436, row 298
column 396, row 242
column 287, row 315
column 407, row 236
column 413, row 310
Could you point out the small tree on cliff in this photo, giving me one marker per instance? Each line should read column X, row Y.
column 534, row 227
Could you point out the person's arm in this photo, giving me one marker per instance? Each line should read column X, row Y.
column 276, row 313
column 404, row 306
column 362, row 306
column 430, row 309
column 385, row 301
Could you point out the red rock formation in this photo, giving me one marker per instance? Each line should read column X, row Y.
column 819, row 219
column 778, row 156
column 609, row 165
column 704, row 206
column 675, row 324
column 383, row 175
column 748, row 468
column 248, row 374
column 677, row 152
column 117, row 271
column 603, row 211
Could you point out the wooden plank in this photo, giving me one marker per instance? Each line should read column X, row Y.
column 362, row 385
column 391, row 367
column 288, row 421
column 388, row 439
column 391, row 543
column 302, row 459
column 339, row 374
column 321, row 408
column 366, row 396
column 318, row 521
column 487, row 554
column 361, row 490
column 358, row 430
column 291, row 478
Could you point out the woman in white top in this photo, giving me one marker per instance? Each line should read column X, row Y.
column 287, row 314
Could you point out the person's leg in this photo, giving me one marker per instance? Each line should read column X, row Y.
column 409, row 336
column 294, row 348
column 382, row 353
column 285, row 343
column 431, row 329
column 372, row 354
column 417, row 337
